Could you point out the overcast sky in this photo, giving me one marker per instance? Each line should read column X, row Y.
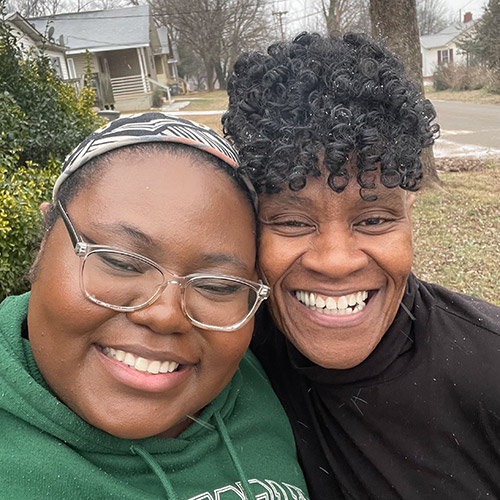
column 301, row 14
column 474, row 6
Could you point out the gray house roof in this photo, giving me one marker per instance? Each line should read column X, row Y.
column 446, row 36
column 15, row 19
column 99, row 30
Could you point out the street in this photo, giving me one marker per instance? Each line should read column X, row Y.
column 467, row 129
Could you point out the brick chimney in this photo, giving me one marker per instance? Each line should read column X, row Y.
column 467, row 17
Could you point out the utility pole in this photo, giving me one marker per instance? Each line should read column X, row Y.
column 280, row 15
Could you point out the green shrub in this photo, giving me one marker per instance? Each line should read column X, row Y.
column 21, row 194
column 41, row 120
column 55, row 117
column 13, row 132
column 157, row 98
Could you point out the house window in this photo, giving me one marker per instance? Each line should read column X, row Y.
column 55, row 63
column 445, row 56
column 71, row 68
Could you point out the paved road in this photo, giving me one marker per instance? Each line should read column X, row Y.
column 468, row 129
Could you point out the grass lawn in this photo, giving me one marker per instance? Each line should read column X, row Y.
column 212, row 121
column 204, row 101
column 475, row 96
column 457, row 233
column 456, row 227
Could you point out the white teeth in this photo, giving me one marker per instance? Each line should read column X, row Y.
column 120, row 355
column 167, row 367
column 138, row 363
column 330, row 303
column 141, row 364
column 342, row 302
column 154, row 367
column 320, row 302
column 338, row 306
column 129, row 359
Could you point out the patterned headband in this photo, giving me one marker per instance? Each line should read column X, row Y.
column 150, row 127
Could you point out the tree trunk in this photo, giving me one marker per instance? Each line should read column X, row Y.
column 395, row 23
column 331, row 16
column 209, row 69
column 221, row 76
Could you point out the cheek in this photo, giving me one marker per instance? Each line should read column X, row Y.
column 223, row 353
column 277, row 255
column 398, row 255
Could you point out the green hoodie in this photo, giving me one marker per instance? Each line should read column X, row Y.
column 242, row 443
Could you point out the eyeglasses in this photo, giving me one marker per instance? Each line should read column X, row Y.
column 126, row 282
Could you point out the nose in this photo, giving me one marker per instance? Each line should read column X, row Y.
column 335, row 252
column 165, row 314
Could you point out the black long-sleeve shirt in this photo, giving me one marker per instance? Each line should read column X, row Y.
column 418, row 419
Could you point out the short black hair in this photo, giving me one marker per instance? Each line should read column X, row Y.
column 322, row 95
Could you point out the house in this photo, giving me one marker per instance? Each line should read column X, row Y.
column 441, row 48
column 166, row 60
column 30, row 39
column 120, row 44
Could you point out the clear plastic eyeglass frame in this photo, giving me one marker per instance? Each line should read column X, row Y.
column 84, row 250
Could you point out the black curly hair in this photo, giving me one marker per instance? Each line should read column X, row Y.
column 321, row 95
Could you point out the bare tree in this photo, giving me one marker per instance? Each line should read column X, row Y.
column 395, row 23
column 216, row 30
column 36, row 8
column 342, row 16
column 432, row 16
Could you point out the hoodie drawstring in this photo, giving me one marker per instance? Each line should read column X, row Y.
column 146, row 456
column 226, row 439
column 221, row 427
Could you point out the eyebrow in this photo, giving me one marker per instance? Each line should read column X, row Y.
column 289, row 200
column 386, row 197
column 119, row 228
column 224, row 258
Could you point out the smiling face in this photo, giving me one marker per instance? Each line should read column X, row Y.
column 337, row 266
column 186, row 217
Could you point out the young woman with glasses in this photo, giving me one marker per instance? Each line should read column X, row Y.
column 124, row 371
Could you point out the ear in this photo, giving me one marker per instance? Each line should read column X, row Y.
column 410, row 200
column 44, row 208
column 33, row 272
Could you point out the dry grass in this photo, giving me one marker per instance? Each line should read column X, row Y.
column 457, row 233
column 212, row 121
column 475, row 96
column 205, row 101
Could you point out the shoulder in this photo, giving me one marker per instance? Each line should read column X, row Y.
column 15, row 304
column 462, row 309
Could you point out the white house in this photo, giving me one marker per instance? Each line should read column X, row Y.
column 30, row 39
column 121, row 45
column 441, row 48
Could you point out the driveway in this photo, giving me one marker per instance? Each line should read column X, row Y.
column 468, row 129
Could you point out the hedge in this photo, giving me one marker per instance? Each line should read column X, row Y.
column 41, row 119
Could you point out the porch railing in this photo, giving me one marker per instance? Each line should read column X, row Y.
column 128, row 85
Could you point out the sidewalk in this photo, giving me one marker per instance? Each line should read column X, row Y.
column 175, row 107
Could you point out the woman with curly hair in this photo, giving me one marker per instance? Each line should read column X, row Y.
column 390, row 383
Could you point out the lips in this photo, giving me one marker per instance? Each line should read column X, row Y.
column 333, row 305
